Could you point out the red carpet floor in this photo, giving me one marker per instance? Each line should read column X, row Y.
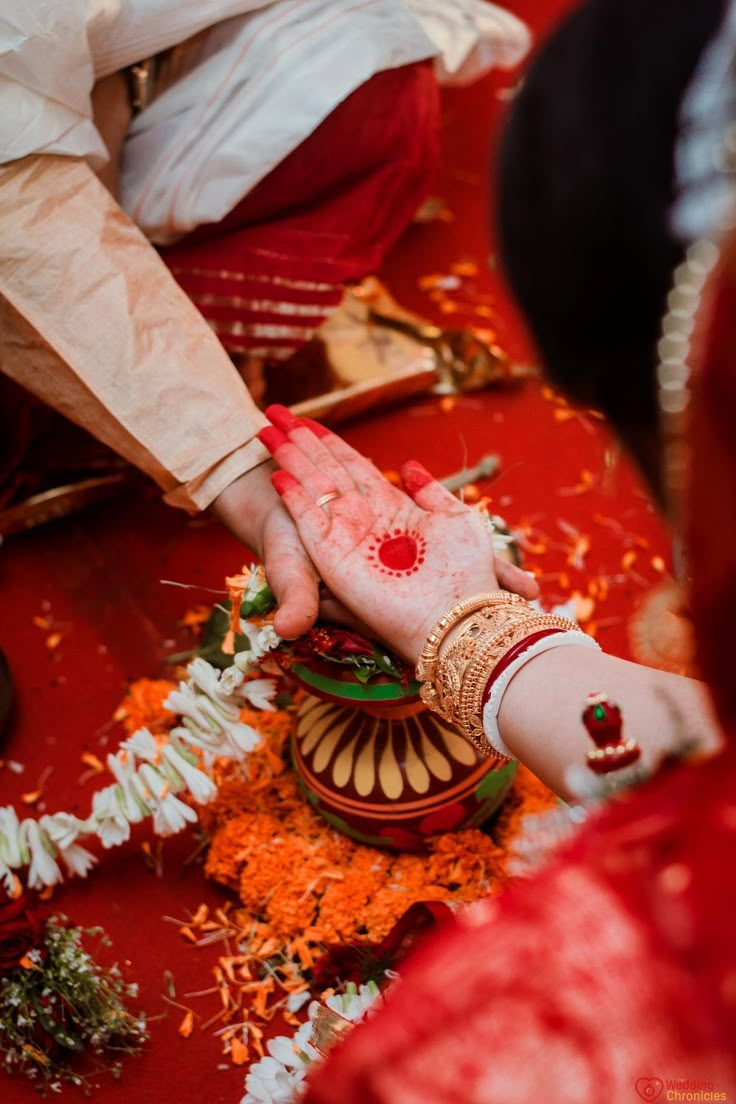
column 94, row 579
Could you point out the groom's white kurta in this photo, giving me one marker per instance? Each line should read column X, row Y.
column 90, row 319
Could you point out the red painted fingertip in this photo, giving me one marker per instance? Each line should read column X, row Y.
column 414, row 476
column 272, row 438
column 283, row 482
column 317, row 429
column 282, row 417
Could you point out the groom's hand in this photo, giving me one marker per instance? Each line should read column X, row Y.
column 254, row 513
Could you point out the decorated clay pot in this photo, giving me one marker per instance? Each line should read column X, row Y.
column 379, row 766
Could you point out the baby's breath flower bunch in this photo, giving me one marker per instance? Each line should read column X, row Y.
column 59, row 1003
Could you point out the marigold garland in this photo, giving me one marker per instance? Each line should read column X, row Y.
column 302, row 879
column 303, row 887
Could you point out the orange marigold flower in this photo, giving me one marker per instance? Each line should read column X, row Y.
column 303, row 886
column 143, row 706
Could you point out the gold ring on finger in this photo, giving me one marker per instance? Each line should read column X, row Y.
column 329, row 497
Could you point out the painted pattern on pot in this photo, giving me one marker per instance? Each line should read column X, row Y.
column 393, row 773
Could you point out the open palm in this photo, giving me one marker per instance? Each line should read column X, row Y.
column 397, row 560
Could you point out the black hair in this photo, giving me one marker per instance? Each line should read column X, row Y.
column 586, row 187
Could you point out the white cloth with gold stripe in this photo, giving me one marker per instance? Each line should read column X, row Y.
column 266, row 75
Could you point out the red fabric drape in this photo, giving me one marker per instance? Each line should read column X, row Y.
column 270, row 272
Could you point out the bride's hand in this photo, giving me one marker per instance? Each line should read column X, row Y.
column 397, row 560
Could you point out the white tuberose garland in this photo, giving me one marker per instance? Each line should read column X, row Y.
column 278, row 1078
column 150, row 771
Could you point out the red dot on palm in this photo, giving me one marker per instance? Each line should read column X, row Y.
column 400, row 552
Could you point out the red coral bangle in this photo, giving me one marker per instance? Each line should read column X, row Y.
column 512, row 654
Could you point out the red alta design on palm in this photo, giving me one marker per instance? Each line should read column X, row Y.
column 399, row 552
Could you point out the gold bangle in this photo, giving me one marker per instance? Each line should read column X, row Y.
column 427, row 662
column 479, row 670
column 443, row 694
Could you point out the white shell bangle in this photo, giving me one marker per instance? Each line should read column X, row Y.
column 493, row 705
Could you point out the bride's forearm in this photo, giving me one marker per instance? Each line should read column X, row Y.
column 540, row 715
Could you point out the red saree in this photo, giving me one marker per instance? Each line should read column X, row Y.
column 611, row 976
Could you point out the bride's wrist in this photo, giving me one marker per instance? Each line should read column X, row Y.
column 474, row 651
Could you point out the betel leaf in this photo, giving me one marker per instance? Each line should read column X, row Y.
column 215, row 630
column 495, row 782
column 364, row 672
column 367, row 667
column 262, row 602
column 385, row 663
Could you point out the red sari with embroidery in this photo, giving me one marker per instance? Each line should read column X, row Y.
column 611, row 976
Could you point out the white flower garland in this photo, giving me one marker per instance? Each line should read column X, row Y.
column 278, row 1078
column 151, row 772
